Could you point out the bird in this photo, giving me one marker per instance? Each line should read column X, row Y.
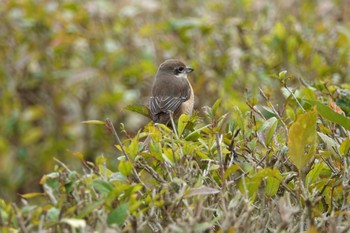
column 172, row 92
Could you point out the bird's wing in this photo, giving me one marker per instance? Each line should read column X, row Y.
column 165, row 104
column 169, row 102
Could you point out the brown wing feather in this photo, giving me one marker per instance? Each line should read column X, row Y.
column 162, row 104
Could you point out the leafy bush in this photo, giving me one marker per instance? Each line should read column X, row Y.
column 271, row 156
column 269, row 169
column 69, row 61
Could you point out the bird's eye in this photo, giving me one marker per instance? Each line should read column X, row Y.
column 179, row 70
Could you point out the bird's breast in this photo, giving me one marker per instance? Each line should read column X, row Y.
column 187, row 106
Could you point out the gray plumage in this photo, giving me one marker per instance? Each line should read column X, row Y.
column 170, row 89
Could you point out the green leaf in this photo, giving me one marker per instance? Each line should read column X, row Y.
column 101, row 160
column 282, row 75
column 273, row 181
column 102, row 186
column 91, row 207
column 125, row 167
column 168, row 155
column 272, row 185
column 269, row 128
column 344, row 147
column 118, row 215
column 315, row 173
column 53, row 214
column 133, row 148
column 239, row 118
column 201, row 154
column 28, row 209
column 331, row 115
column 302, row 139
column 233, row 168
column 183, row 120
column 193, row 136
column 267, row 112
column 344, row 105
column 250, row 185
column 164, row 128
column 117, row 176
column 141, row 109
column 308, row 93
column 156, row 150
column 215, row 106
column 290, row 113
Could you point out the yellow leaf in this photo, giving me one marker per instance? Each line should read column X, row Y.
column 344, row 147
column 133, row 148
column 302, row 139
column 169, row 155
column 183, row 120
column 201, row 154
column 31, row 195
column 125, row 167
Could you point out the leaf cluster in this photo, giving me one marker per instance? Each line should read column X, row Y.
column 269, row 169
column 64, row 62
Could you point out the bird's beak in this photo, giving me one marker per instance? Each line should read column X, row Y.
column 188, row 70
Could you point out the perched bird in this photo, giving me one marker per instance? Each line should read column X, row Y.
column 172, row 93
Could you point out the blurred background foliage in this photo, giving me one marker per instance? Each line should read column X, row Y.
column 63, row 62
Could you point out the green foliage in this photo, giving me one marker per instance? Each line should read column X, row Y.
column 118, row 215
column 332, row 115
column 66, row 62
column 238, row 167
column 141, row 109
column 271, row 154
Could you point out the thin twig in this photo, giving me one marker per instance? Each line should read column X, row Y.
column 110, row 126
column 19, row 219
column 142, row 164
column 218, row 145
column 252, row 107
column 274, row 111
column 63, row 165
column 231, row 148
column 285, row 85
